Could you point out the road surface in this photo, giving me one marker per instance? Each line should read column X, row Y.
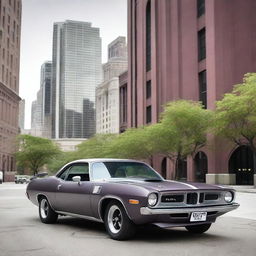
column 22, row 233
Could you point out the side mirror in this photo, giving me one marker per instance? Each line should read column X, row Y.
column 77, row 179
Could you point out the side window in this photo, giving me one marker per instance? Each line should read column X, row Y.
column 100, row 172
column 64, row 174
column 81, row 170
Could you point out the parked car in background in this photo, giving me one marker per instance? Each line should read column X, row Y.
column 21, row 179
column 125, row 193
column 1, row 177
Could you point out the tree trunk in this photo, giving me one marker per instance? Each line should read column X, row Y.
column 178, row 158
column 35, row 171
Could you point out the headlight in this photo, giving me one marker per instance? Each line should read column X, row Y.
column 152, row 199
column 228, row 197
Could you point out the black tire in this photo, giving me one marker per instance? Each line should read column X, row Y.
column 198, row 229
column 46, row 213
column 117, row 223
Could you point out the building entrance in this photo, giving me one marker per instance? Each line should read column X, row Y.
column 201, row 164
column 241, row 163
column 182, row 170
column 164, row 167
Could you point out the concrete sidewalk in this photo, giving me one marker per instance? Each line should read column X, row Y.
column 244, row 189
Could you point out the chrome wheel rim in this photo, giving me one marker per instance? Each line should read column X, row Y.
column 115, row 219
column 44, row 208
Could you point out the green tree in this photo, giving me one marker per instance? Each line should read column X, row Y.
column 60, row 160
column 182, row 130
column 133, row 143
column 235, row 117
column 95, row 147
column 34, row 152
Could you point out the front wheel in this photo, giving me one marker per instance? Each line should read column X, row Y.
column 117, row 223
column 46, row 213
column 198, row 229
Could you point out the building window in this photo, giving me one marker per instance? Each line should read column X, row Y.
column 148, row 89
column 123, row 104
column 203, row 88
column 148, row 36
column 200, row 7
column 148, row 114
column 201, row 44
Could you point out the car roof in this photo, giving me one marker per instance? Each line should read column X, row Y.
column 94, row 160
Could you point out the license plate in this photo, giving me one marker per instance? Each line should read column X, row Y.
column 198, row 216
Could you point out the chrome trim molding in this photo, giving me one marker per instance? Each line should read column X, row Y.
column 219, row 208
column 80, row 216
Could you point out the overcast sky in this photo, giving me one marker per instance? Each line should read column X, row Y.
column 38, row 17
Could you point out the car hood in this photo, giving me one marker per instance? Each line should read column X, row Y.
column 169, row 185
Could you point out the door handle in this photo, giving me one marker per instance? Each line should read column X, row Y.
column 59, row 186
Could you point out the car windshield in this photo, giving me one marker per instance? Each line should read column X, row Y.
column 125, row 170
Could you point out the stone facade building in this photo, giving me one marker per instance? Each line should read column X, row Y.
column 197, row 50
column 10, row 22
column 107, row 93
column 22, row 114
column 41, row 107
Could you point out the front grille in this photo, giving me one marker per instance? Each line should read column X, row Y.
column 201, row 198
column 191, row 198
column 172, row 198
column 211, row 197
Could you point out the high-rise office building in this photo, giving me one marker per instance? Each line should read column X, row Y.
column 41, row 107
column 76, row 66
column 46, row 76
column 195, row 50
column 37, row 115
column 10, row 22
column 107, row 93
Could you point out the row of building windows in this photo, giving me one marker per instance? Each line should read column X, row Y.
column 8, row 59
column 15, row 4
column 8, row 113
column 148, row 36
column 8, row 78
column 123, row 104
column 6, row 163
column 200, row 8
column 201, row 56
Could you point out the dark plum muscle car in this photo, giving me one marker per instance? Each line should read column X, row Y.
column 126, row 193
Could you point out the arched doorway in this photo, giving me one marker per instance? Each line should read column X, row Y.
column 241, row 164
column 201, row 164
column 164, row 167
column 182, row 170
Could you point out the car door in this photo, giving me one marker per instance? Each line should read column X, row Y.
column 74, row 197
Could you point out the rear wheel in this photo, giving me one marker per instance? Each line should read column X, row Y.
column 46, row 213
column 198, row 229
column 117, row 223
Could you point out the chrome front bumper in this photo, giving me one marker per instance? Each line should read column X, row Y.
column 219, row 208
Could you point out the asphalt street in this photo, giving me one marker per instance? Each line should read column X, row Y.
column 22, row 233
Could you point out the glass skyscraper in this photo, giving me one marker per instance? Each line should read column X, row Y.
column 76, row 70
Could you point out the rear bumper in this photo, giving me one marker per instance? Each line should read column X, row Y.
column 218, row 208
